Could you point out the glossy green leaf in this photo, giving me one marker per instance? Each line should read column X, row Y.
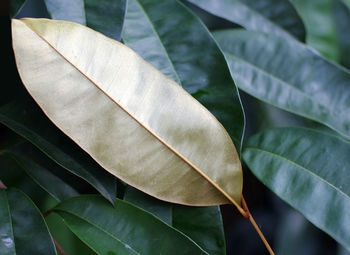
column 22, row 227
column 320, row 26
column 105, row 16
column 123, row 229
column 15, row 7
column 289, row 75
column 270, row 16
column 25, row 119
column 103, row 97
column 201, row 224
column 310, row 171
column 181, row 47
column 342, row 20
column 53, row 185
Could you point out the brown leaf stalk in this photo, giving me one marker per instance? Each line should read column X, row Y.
column 256, row 227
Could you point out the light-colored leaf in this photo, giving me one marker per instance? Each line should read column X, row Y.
column 289, row 75
column 22, row 227
column 123, row 229
column 270, row 16
column 310, row 171
column 180, row 46
column 135, row 122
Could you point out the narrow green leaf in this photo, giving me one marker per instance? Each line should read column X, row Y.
column 270, row 16
column 22, row 227
column 289, row 75
column 320, row 26
column 104, row 16
column 25, row 119
column 180, row 46
column 123, row 229
column 201, row 224
column 310, row 171
column 53, row 185
column 342, row 21
column 15, row 7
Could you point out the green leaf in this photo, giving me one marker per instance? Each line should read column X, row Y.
column 15, row 7
column 270, row 16
column 310, row 171
column 342, row 21
column 53, row 185
column 289, row 75
column 24, row 118
column 320, row 26
column 123, row 229
column 22, row 227
column 201, row 224
column 105, row 16
column 181, row 47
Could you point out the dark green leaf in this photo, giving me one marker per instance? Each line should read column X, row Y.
column 180, row 46
column 123, row 229
column 342, row 20
column 105, row 16
column 15, row 7
column 320, row 26
column 53, row 185
column 269, row 16
column 310, row 171
column 25, row 119
column 22, row 227
column 289, row 75
column 201, row 224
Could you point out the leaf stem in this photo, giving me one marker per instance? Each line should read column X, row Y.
column 58, row 247
column 252, row 221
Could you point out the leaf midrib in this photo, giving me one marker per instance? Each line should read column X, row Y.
column 300, row 166
column 99, row 228
column 207, row 178
column 10, row 217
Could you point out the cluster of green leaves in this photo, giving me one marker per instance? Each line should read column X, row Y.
column 270, row 57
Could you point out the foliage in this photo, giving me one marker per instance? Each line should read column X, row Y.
column 183, row 155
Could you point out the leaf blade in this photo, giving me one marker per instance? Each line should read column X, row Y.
column 281, row 20
column 185, row 151
column 25, row 217
column 134, row 228
column 303, row 173
column 290, row 79
column 203, row 225
column 174, row 44
column 24, row 118
column 104, row 16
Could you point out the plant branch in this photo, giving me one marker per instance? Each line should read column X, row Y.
column 58, row 247
column 252, row 221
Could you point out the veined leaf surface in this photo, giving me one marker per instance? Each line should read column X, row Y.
column 180, row 46
column 310, row 171
column 123, row 229
column 22, row 227
column 270, row 16
column 134, row 121
column 289, row 75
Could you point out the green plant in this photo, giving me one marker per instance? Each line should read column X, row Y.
column 157, row 138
